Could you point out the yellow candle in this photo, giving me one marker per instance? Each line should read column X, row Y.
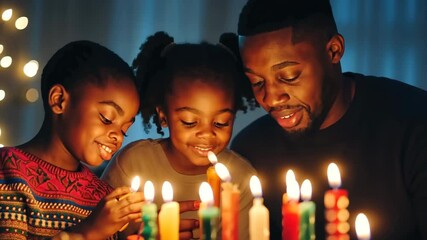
column 363, row 230
column 259, row 222
column 169, row 215
column 230, row 198
column 213, row 178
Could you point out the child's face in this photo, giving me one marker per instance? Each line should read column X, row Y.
column 95, row 120
column 200, row 118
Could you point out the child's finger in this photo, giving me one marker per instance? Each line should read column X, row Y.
column 190, row 205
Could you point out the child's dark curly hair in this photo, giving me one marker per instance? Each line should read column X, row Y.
column 160, row 61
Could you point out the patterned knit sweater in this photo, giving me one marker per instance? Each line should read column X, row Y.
column 38, row 199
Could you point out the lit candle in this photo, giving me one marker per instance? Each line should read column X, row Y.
column 169, row 215
column 213, row 178
column 136, row 181
column 363, row 230
column 259, row 222
column 230, row 197
column 336, row 203
column 307, row 210
column 149, row 213
column 290, row 209
column 208, row 213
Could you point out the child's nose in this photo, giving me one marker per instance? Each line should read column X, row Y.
column 206, row 131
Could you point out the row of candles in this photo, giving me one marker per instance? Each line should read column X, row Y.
column 298, row 222
column 298, row 217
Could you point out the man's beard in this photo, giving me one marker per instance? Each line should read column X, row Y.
column 315, row 121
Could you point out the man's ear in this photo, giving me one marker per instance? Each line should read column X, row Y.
column 57, row 98
column 162, row 117
column 335, row 48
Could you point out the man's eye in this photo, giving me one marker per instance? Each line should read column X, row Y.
column 188, row 124
column 104, row 119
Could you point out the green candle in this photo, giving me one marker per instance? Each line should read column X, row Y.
column 208, row 213
column 307, row 211
column 149, row 213
column 149, row 216
column 209, row 218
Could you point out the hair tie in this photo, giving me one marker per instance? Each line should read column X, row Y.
column 166, row 48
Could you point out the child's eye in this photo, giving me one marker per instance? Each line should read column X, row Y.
column 188, row 124
column 221, row 125
column 257, row 84
column 104, row 119
column 124, row 134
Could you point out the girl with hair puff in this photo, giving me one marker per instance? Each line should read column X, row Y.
column 194, row 91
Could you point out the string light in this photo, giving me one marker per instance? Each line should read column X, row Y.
column 2, row 94
column 21, row 23
column 32, row 95
column 31, row 68
column 7, row 15
column 6, row 61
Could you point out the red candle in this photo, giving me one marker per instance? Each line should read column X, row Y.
column 336, row 204
column 213, row 179
column 230, row 198
column 290, row 208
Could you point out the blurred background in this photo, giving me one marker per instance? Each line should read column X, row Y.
column 383, row 38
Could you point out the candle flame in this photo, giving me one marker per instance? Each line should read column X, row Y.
column 292, row 189
column 135, row 184
column 334, row 176
column 205, row 193
column 362, row 227
column 290, row 176
column 255, row 185
column 149, row 191
column 212, row 158
column 167, row 191
column 222, row 172
column 306, row 190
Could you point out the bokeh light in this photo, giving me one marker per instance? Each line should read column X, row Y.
column 2, row 94
column 31, row 68
column 1, row 48
column 7, row 14
column 6, row 61
column 21, row 23
column 32, row 95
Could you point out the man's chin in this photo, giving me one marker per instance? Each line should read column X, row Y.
column 298, row 133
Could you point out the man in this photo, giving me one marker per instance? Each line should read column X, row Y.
column 374, row 129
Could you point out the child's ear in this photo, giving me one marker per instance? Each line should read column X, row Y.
column 162, row 117
column 335, row 48
column 57, row 98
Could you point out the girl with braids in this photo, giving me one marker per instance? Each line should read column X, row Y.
column 193, row 90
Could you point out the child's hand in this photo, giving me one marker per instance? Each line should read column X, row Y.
column 186, row 226
column 112, row 212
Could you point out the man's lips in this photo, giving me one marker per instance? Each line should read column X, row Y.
column 288, row 117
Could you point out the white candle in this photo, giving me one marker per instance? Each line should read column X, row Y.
column 169, row 215
column 363, row 230
column 259, row 222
